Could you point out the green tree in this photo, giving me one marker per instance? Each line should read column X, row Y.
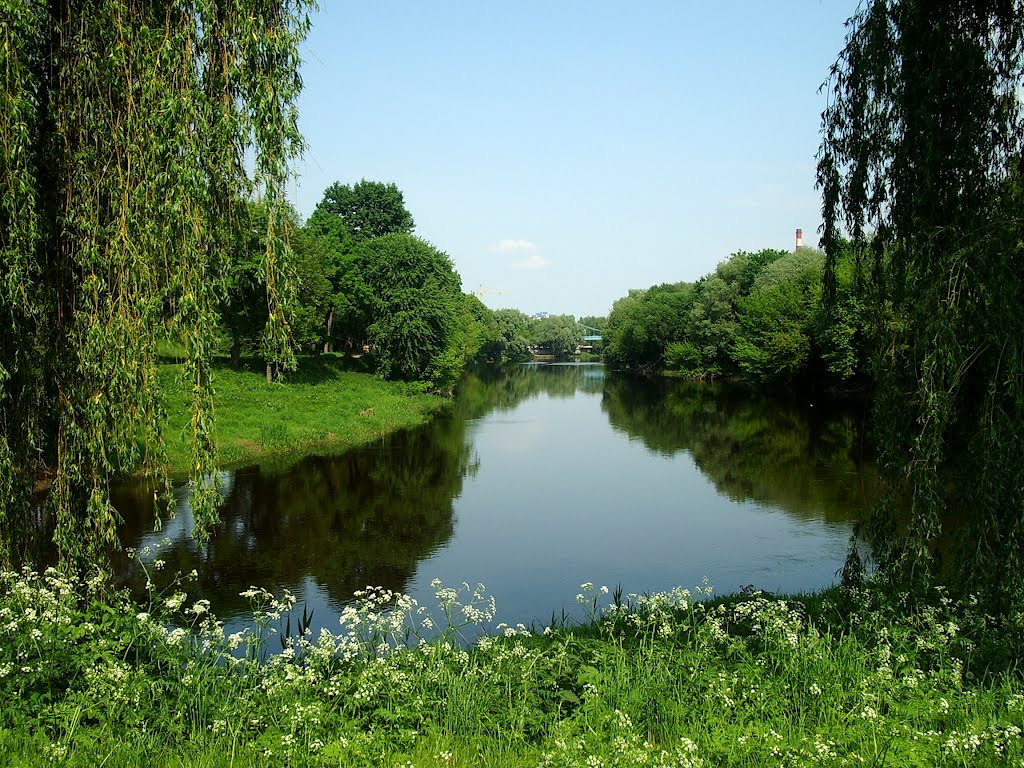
column 417, row 299
column 555, row 334
column 712, row 323
column 347, row 315
column 369, row 209
column 243, row 308
column 840, row 328
column 127, row 129
column 690, row 328
column 773, row 340
column 921, row 165
column 619, row 329
column 464, row 344
column 315, row 264
column 794, row 267
column 642, row 324
column 507, row 337
column 743, row 269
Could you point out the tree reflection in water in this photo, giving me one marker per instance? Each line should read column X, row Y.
column 328, row 526
column 809, row 460
column 365, row 517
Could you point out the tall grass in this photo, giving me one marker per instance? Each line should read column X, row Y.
column 843, row 678
column 323, row 407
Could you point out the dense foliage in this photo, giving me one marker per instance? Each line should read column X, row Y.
column 664, row 680
column 921, row 164
column 555, row 335
column 368, row 209
column 363, row 283
column 507, row 337
column 414, row 308
column 512, row 336
column 758, row 316
column 125, row 134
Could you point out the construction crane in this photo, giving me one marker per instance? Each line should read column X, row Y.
column 481, row 292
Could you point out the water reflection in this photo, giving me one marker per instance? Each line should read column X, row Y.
column 539, row 478
column 504, row 389
column 339, row 523
column 808, row 459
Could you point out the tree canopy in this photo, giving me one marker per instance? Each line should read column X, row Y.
column 555, row 334
column 921, row 166
column 392, row 295
column 369, row 209
column 506, row 336
column 417, row 300
column 126, row 133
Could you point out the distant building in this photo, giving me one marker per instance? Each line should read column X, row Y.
column 539, row 315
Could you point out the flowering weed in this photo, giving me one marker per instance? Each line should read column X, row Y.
column 668, row 679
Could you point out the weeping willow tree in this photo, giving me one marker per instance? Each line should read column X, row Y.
column 133, row 132
column 921, row 166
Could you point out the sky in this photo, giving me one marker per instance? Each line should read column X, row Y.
column 563, row 152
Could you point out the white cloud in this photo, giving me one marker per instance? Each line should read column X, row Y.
column 513, row 246
column 533, row 261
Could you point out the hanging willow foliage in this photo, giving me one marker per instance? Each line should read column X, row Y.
column 921, row 166
column 126, row 127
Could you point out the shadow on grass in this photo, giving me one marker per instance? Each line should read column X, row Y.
column 316, row 369
column 312, row 369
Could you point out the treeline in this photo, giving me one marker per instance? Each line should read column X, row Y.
column 759, row 316
column 357, row 276
column 361, row 281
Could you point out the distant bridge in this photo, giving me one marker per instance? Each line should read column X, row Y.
column 597, row 331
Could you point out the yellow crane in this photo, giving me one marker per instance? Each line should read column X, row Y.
column 481, row 292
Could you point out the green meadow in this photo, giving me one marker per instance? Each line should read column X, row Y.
column 326, row 406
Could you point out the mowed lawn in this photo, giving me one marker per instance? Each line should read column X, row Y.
column 322, row 407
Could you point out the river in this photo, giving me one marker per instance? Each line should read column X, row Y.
column 541, row 477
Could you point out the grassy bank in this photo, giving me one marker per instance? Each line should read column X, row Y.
column 844, row 678
column 321, row 408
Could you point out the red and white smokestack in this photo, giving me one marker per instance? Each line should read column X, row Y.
column 799, row 239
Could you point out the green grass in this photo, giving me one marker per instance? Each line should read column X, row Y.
column 839, row 678
column 324, row 407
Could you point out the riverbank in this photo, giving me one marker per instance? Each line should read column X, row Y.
column 323, row 407
column 838, row 678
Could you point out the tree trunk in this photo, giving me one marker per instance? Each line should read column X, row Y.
column 270, row 373
column 236, row 354
column 327, row 329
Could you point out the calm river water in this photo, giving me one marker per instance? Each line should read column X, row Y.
column 542, row 477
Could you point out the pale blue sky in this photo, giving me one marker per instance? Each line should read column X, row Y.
column 569, row 150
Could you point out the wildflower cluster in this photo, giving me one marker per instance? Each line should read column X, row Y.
column 670, row 678
column 616, row 742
